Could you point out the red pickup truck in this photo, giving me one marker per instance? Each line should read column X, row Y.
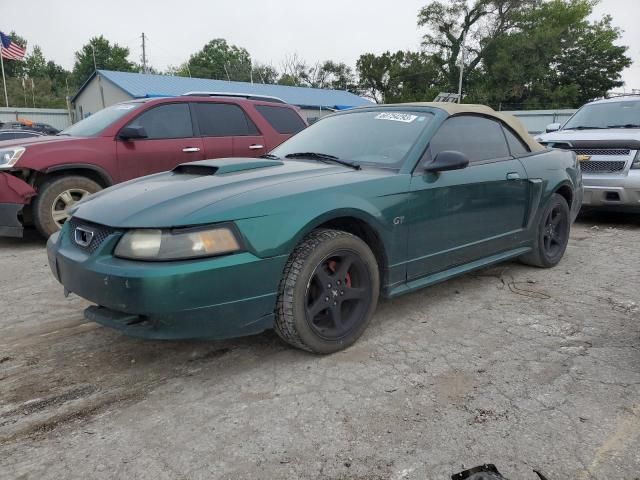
column 40, row 178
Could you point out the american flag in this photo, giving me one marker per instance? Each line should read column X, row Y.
column 10, row 50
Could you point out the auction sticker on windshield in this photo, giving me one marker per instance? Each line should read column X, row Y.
column 396, row 117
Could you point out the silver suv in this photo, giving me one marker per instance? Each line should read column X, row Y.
column 605, row 135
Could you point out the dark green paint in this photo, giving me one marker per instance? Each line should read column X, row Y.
column 431, row 225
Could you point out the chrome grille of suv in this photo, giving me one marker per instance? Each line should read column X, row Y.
column 597, row 166
column 611, row 152
column 100, row 233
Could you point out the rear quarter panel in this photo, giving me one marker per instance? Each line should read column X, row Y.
column 549, row 171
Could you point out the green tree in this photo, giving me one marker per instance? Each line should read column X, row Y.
column 593, row 62
column 476, row 24
column 338, row 76
column 399, row 77
column 36, row 64
column 263, row 73
column 218, row 60
column 107, row 57
column 555, row 58
column 295, row 72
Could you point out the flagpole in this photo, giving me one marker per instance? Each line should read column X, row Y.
column 4, row 80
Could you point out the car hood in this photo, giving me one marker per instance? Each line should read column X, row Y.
column 591, row 135
column 207, row 191
column 37, row 141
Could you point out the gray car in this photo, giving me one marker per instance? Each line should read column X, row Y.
column 605, row 135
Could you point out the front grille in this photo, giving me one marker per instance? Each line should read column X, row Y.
column 596, row 166
column 612, row 152
column 100, row 233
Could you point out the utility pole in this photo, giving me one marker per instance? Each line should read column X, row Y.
column 93, row 51
column 464, row 38
column 144, row 54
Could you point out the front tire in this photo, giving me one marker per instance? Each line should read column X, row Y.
column 552, row 234
column 55, row 197
column 328, row 292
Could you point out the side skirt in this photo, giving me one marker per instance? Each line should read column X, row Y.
column 419, row 283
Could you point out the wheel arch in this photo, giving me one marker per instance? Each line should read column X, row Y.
column 358, row 223
column 93, row 172
column 565, row 190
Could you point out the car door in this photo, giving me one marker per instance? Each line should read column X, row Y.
column 226, row 131
column 464, row 215
column 169, row 141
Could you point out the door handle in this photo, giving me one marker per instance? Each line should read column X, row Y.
column 513, row 176
column 255, row 147
column 190, row 149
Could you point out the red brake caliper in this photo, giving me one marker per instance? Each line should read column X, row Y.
column 332, row 266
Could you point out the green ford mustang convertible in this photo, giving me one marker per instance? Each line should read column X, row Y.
column 381, row 200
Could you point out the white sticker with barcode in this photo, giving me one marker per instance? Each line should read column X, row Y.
column 396, row 117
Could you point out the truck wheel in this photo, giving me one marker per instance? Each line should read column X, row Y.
column 55, row 197
column 328, row 292
column 552, row 234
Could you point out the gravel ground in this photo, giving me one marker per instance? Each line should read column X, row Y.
column 521, row 367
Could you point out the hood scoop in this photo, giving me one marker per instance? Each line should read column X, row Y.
column 223, row 166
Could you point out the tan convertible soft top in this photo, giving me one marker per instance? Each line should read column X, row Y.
column 513, row 122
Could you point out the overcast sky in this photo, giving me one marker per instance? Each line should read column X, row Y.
column 330, row 29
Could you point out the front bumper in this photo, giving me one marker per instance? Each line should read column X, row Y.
column 212, row 298
column 616, row 191
column 14, row 195
column 10, row 225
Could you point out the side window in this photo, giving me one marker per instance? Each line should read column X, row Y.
column 172, row 120
column 516, row 145
column 283, row 120
column 223, row 120
column 478, row 137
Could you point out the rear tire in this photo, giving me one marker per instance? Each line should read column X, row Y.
column 328, row 292
column 552, row 234
column 55, row 197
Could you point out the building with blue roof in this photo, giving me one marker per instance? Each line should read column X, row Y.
column 105, row 88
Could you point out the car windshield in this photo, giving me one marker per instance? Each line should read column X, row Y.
column 94, row 124
column 378, row 138
column 606, row 115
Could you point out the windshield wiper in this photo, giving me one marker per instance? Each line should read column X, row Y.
column 626, row 125
column 324, row 157
column 583, row 127
column 62, row 135
column 270, row 156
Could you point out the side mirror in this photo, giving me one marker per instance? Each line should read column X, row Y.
column 132, row 133
column 448, row 160
column 553, row 127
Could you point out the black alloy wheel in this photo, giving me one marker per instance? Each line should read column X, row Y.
column 556, row 231
column 338, row 295
column 328, row 292
column 551, row 234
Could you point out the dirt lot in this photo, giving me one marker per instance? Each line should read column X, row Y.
column 525, row 368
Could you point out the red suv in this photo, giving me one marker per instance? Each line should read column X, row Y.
column 40, row 178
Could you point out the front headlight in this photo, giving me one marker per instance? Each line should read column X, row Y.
column 151, row 244
column 9, row 156
column 636, row 161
